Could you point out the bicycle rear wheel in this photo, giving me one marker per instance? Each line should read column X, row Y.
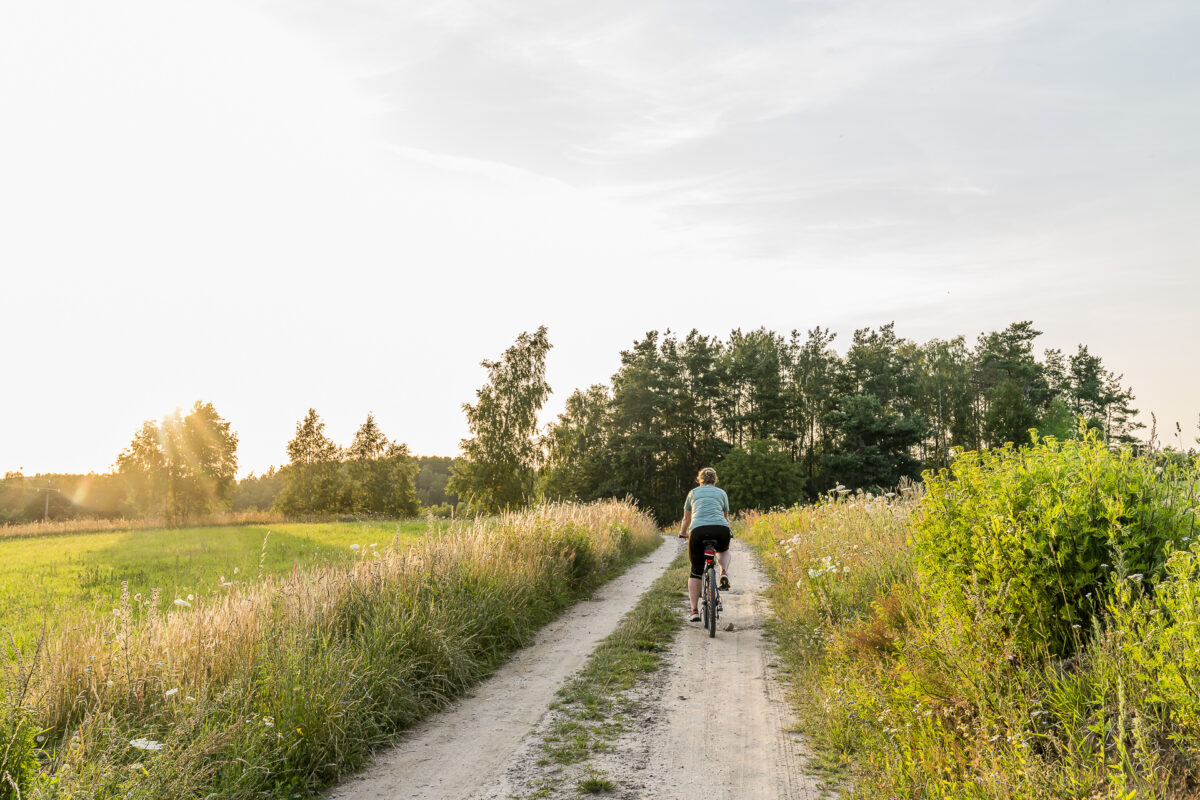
column 710, row 601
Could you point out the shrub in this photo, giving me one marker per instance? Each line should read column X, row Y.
column 760, row 475
column 1160, row 637
column 1040, row 534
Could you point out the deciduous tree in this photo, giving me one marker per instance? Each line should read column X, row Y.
column 499, row 463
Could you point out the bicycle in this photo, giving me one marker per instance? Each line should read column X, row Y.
column 710, row 593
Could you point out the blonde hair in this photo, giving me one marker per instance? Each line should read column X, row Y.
column 708, row 475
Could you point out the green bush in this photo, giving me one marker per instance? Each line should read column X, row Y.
column 760, row 475
column 1160, row 638
column 1039, row 535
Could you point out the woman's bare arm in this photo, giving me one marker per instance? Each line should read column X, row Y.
column 687, row 523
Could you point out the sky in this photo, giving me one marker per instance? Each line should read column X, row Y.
column 273, row 206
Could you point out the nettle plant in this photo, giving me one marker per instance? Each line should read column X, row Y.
column 1040, row 535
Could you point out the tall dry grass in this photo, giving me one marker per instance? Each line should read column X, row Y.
column 280, row 686
column 29, row 530
column 831, row 561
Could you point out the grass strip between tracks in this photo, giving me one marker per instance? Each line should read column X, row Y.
column 593, row 709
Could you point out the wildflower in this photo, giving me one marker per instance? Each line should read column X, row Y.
column 142, row 743
column 179, row 601
column 170, row 692
column 269, row 722
column 108, row 682
column 354, row 546
column 373, row 544
column 1076, row 627
column 1137, row 576
column 190, row 699
column 190, row 598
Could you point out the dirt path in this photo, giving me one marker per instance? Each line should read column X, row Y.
column 683, row 742
column 467, row 748
column 718, row 725
column 487, row 747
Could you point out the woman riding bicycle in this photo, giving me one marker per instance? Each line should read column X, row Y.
column 705, row 518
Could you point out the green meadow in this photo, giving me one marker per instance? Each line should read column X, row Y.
column 52, row 580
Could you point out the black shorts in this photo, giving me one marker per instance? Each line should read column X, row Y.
column 696, row 539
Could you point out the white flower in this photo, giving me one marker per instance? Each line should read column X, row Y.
column 179, row 601
column 1137, row 576
column 190, row 597
column 269, row 722
column 354, row 546
column 170, row 692
column 373, row 544
column 142, row 743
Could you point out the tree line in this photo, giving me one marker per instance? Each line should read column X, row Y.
column 782, row 418
column 184, row 466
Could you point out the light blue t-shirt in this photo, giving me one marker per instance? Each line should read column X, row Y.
column 707, row 504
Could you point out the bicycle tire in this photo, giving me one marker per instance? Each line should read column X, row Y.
column 711, row 601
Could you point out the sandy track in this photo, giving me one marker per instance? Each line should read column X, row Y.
column 677, row 744
column 719, row 727
column 468, row 747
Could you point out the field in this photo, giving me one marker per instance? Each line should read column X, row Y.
column 57, row 578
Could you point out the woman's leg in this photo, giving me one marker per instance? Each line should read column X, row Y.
column 723, row 560
column 696, row 557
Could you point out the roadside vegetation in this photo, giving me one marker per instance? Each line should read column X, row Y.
column 1024, row 627
column 277, row 687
